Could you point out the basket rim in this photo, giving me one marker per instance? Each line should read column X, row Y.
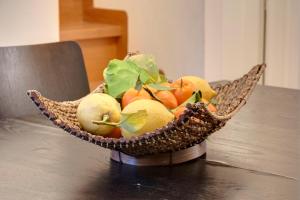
column 36, row 98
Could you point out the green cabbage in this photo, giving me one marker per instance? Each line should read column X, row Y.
column 121, row 75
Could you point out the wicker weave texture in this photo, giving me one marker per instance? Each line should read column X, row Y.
column 193, row 127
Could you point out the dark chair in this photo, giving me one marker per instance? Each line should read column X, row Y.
column 55, row 69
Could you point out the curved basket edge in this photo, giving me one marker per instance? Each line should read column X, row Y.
column 116, row 144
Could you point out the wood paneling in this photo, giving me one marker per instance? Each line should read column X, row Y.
column 88, row 30
column 70, row 11
column 116, row 17
column 97, row 53
column 101, row 33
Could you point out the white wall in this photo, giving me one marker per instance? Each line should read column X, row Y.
column 233, row 40
column 171, row 30
column 213, row 47
column 28, row 22
column 174, row 31
column 283, row 43
column 233, row 37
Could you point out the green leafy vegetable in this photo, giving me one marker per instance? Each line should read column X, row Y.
column 132, row 122
column 160, row 87
column 163, row 78
column 149, row 72
column 135, row 71
column 120, row 76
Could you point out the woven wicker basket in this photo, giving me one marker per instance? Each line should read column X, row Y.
column 192, row 128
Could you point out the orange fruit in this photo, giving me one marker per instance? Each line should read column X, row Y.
column 116, row 133
column 130, row 94
column 184, row 90
column 136, row 98
column 179, row 111
column 153, row 90
column 167, row 98
column 209, row 105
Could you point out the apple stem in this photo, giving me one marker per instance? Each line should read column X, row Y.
column 105, row 117
column 106, row 123
column 181, row 83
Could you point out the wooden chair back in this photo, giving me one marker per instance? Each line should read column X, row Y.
column 55, row 69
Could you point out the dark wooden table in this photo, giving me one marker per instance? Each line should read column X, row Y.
column 255, row 156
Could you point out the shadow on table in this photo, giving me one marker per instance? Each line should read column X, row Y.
column 192, row 180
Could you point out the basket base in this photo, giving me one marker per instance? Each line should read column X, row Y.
column 162, row 159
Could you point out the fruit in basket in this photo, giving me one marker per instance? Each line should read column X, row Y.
column 202, row 85
column 141, row 116
column 157, row 115
column 153, row 144
column 115, row 133
column 121, row 75
column 155, row 87
column 132, row 95
column 98, row 106
column 167, row 98
column 166, row 84
column 137, row 79
column 184, row 89
column 209, row 105
column 180, row 110
column 162, row 93
column 148, row 65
